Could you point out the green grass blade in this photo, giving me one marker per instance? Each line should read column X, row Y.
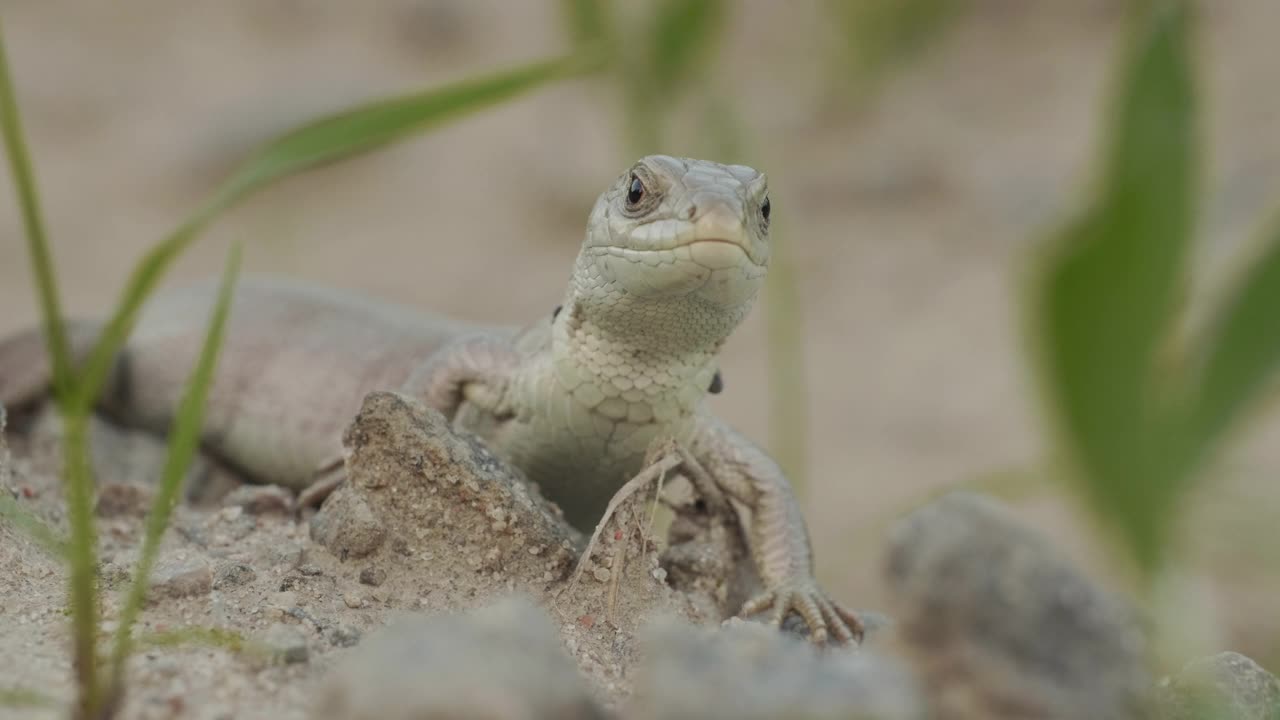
column 588, row 22
column 184, row 439
column 1243, row 351
column 1109, row 292
column 376, row 124
column 83, row 553
column 326, row 140
column 33, row 224
column 142, row 282
column 78, row 481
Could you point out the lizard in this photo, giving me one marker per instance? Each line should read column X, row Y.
column 611, row 384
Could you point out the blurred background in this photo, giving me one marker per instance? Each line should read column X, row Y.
column 917, row 150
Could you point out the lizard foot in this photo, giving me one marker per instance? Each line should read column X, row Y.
column 825, row 618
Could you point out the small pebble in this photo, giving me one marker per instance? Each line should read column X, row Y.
column 347, row 526
column 233, row 574
column 373, row 575
column 181, row 575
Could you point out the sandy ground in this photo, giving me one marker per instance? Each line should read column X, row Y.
column 907, row 220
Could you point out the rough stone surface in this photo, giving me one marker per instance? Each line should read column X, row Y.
column 1001, row 625
column 1223, row 686
column 181, row 575
column 747, row 670
column 433, row 491
column 504, row 662
column 347, row 526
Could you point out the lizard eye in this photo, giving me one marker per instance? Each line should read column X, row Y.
column 636, row 192
column 764, row 209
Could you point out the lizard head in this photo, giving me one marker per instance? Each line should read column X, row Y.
column 689, row 235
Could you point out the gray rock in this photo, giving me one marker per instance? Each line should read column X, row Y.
column 748, row 670
column 287, row 643
column 347, row 526
column 373, row 575
column 181, row 575
column 501, row 663
column 1226, row 686
column 1000, row 624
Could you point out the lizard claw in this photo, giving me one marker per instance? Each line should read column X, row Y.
column 828, row 620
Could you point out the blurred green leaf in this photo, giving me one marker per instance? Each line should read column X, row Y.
column 685, row 34
column 326, row 140
column 1108, row 295
column 876, row 35
column 184, row 439
column 588, row 21
column 1243, row 351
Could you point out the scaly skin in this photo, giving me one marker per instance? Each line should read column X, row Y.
column 675, row 254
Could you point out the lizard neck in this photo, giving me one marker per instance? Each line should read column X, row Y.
column 660, row 352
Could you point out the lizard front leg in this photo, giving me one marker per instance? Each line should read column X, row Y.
column 476, row 369
column 775, row 533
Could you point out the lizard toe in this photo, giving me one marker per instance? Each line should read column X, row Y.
column 844, row 634
column 757, row 604
column 828, row 621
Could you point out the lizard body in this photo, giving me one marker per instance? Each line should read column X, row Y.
column 675, row 253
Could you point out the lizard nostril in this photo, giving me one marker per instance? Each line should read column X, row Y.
column 693, row 210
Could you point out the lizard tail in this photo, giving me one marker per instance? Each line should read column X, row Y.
column 26, row 373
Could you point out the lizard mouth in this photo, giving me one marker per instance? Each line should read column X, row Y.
column 715, row 252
